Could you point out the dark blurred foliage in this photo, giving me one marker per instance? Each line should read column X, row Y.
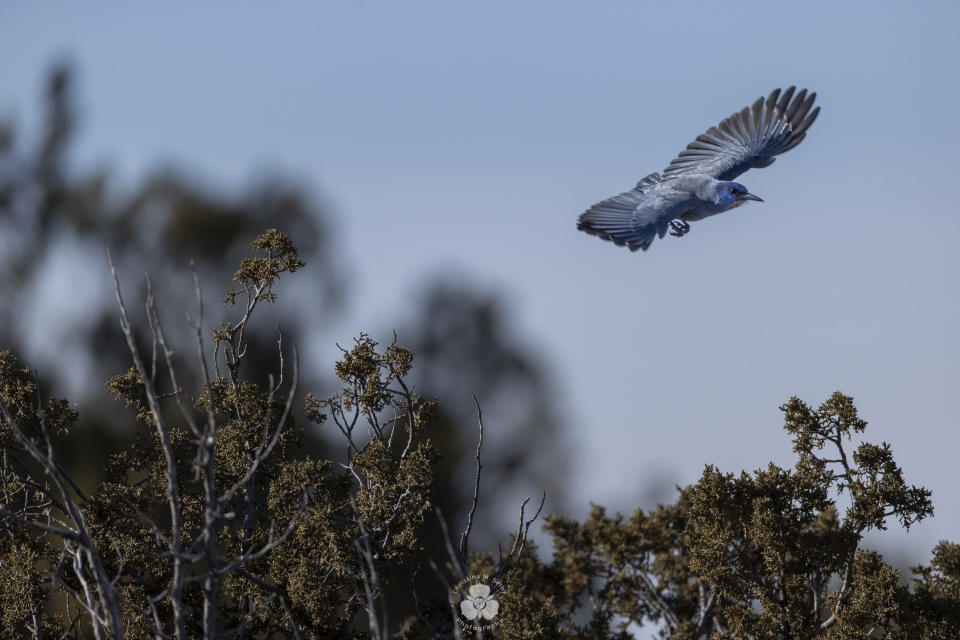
column 466, row 349
column 51, row 212
column 48, row 210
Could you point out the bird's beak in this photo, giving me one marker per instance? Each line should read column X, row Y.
column 750, row 196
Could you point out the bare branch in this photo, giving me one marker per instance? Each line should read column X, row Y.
column 841, row 595
column 519, row 541
column 465, row 537
column 156, row 327
column 371, row 580
column 108, row 601
column 57, row 531
column 173, row 491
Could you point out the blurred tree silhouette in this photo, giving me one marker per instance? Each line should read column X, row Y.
column 55, row 221
column 466, row 348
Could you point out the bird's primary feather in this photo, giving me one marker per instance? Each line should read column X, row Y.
column 749, row 138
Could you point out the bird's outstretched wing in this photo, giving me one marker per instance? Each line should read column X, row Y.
column 749, row 138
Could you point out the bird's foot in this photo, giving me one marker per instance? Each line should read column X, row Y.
column 679, row 228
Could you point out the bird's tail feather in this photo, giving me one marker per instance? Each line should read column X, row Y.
column 621, row 220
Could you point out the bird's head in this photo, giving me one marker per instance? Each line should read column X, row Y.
column 732, row 193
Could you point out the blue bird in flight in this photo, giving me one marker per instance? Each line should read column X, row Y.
column 699, row 183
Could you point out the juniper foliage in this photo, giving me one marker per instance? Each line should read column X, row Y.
column 215, row 523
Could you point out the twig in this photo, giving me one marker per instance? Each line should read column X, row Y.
column 465, row 537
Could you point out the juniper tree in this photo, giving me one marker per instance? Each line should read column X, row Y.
column 767, row 554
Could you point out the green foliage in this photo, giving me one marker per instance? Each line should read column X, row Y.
column 214, row 522
column 262, row 272
column 933, row 611
column 767, row 554
column 272, row 583
column 21, row 394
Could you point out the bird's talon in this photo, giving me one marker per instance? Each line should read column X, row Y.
column 679, row 228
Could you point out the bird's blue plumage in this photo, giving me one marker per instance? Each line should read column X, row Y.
column 698, row 183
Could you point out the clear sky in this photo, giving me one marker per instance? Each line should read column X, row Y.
column 455, row 137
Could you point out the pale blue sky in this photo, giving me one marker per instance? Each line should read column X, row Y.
column 465, row 138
